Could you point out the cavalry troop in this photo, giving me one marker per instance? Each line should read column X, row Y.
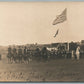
column 18, row 55
column 25, row 55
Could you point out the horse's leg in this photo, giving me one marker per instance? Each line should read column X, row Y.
column 11, row 59
column 22, row 60
column 15, row 60
column 19, row 59
column 27, row 60
column 8, row 60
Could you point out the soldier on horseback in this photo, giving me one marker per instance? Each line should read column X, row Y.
column 37, row 54
column 28, row 55
column 9, row 55
column 14, row 54
column 20, row 54
column 25, row 58
column 44, row 53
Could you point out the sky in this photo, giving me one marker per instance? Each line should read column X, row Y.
column 31, row 22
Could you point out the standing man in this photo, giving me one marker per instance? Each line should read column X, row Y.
column 78, row 53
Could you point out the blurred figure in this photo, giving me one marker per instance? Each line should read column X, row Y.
column 20, row 54
column 78, row 53
column 44, row 53
column 9, row 49
column 0, row 56
column 25, row 50
column 37, row 54
column 9, row 55
column 25, row 56
column 14, row 51
column 72, row 53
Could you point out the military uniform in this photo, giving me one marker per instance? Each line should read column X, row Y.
column 14, row 54
column 25, row 53
column 44, row 53
column 19, row 51
column 14, row 50
column 20, row 54
column 9, row 52
column 9, row 55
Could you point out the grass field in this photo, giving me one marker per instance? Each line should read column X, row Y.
column 54, row 70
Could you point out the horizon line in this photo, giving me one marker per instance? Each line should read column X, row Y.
column 39, row 43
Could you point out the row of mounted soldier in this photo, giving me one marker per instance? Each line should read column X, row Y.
column 24, row 55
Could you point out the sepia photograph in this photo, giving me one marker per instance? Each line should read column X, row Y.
column 41, row 41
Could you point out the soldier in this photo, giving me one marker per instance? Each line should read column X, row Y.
column 25, row 51
column 25, row 54
column 78, row 53
column 37, row 54
column 9, row 49
column 14, row 54
column 20, row 54
column 9, row 55
column 28, row 55
column 44, row 54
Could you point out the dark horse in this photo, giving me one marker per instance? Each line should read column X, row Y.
column 10, row 57
column 15, row 57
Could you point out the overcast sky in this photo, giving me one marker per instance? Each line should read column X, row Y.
column 31, row 22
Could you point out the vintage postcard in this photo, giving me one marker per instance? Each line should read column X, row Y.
column 41, row 41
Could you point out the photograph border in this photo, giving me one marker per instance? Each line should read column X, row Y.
column 41, row 1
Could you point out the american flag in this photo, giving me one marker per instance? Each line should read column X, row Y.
column 61, row 18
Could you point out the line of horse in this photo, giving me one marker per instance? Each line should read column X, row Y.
column 43, row 54
column 19, row 58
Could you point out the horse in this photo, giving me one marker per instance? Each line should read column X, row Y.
column 25, row 58
column 10, row 57
column 14, row 57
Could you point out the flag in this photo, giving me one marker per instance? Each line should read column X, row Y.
column 61, row 18
column 56, row 33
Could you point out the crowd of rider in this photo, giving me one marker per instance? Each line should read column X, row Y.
column 18, row 55
column 25, row 54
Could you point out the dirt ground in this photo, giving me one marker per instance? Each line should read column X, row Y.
column 54, row 70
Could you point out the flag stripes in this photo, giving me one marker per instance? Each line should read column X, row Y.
column 61, row 18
